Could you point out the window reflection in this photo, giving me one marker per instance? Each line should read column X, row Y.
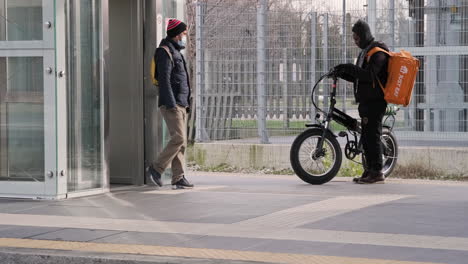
column 21, row 119
column 84, row 96
column 21, row 20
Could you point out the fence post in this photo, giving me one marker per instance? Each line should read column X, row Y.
column 392, row 24
column 345, row 44
column 285, row 89
column 325, row 57
column 261, row 74
column 200, row 134
column 371, row 15
column 313, row 57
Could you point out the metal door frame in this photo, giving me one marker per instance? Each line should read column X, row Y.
column 45, row 49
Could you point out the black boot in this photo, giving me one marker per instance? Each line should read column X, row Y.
column 373, row 177
column 364, row 174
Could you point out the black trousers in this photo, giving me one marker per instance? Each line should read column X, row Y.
column 371, row 114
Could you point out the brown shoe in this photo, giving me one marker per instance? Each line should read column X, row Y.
column 364, row 175
column 373, row 177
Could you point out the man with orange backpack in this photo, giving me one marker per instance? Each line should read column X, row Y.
column 370, row 97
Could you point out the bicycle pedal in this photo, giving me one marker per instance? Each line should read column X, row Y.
column 342, row 134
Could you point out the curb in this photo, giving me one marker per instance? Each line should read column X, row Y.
column 37, row 256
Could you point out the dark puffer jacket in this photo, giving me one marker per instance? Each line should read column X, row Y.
column 364, row 77
column 174, row 86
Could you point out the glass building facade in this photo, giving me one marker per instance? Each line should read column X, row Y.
column 76, row 107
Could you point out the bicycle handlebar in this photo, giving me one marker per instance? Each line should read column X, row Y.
column 332, row 74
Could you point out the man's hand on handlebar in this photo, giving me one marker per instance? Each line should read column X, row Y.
column 343, row 69
column 332, row 73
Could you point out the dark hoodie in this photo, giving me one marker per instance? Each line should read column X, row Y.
column 362, row 29
column 364, row 74
column 174, row 86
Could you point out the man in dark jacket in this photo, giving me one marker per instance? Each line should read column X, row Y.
column 174, row 103
column 365, row 75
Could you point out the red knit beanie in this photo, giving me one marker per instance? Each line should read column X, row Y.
column 175, row 27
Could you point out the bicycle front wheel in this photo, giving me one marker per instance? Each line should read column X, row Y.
column 313, row 168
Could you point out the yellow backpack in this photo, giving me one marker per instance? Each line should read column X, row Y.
column 402, row 71
column 153, row 69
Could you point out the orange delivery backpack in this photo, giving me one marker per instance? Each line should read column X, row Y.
column 402, row 71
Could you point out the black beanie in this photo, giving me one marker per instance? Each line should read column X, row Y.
column 362, row 29
column 175, row 27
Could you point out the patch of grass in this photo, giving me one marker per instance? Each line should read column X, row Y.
column 413, row 171
column 271, row 124
column 351, row 169
column 278, row 171
column 418, row 171
column 227, row 168
column 279, row 124
column 223, row 167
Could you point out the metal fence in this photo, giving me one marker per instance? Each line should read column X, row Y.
column 256, row 64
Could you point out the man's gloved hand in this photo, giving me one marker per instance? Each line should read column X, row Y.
column 346, row 68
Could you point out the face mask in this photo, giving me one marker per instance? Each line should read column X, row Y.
column 182, row 42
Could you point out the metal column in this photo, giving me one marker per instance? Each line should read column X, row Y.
column 201, row 134
column 325, row 58
column 285, row 89
column 261, row 74
column 391, row 14
column 313, row 56
column 371, row 14
column 345, row 47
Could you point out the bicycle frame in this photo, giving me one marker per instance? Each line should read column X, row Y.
column 338, row 116
column 350, row 123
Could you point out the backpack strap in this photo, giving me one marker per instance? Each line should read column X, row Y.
column 369, row 55
column 380, row 84
column 375, row 50
column 166, row 48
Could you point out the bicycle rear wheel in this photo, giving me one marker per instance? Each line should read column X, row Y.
column 390, row 152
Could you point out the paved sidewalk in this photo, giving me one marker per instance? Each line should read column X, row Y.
column 241, row 218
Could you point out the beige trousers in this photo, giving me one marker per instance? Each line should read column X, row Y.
column 174, row 152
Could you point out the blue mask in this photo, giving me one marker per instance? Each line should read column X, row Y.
column 182, row 42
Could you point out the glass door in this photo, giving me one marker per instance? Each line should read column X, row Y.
column 28, row 75
column 85, row 108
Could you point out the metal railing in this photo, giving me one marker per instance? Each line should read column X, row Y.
column 256, row 64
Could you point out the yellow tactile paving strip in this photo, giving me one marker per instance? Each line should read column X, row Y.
column 191, row 252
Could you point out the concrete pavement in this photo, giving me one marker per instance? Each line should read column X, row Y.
column 241, row 218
